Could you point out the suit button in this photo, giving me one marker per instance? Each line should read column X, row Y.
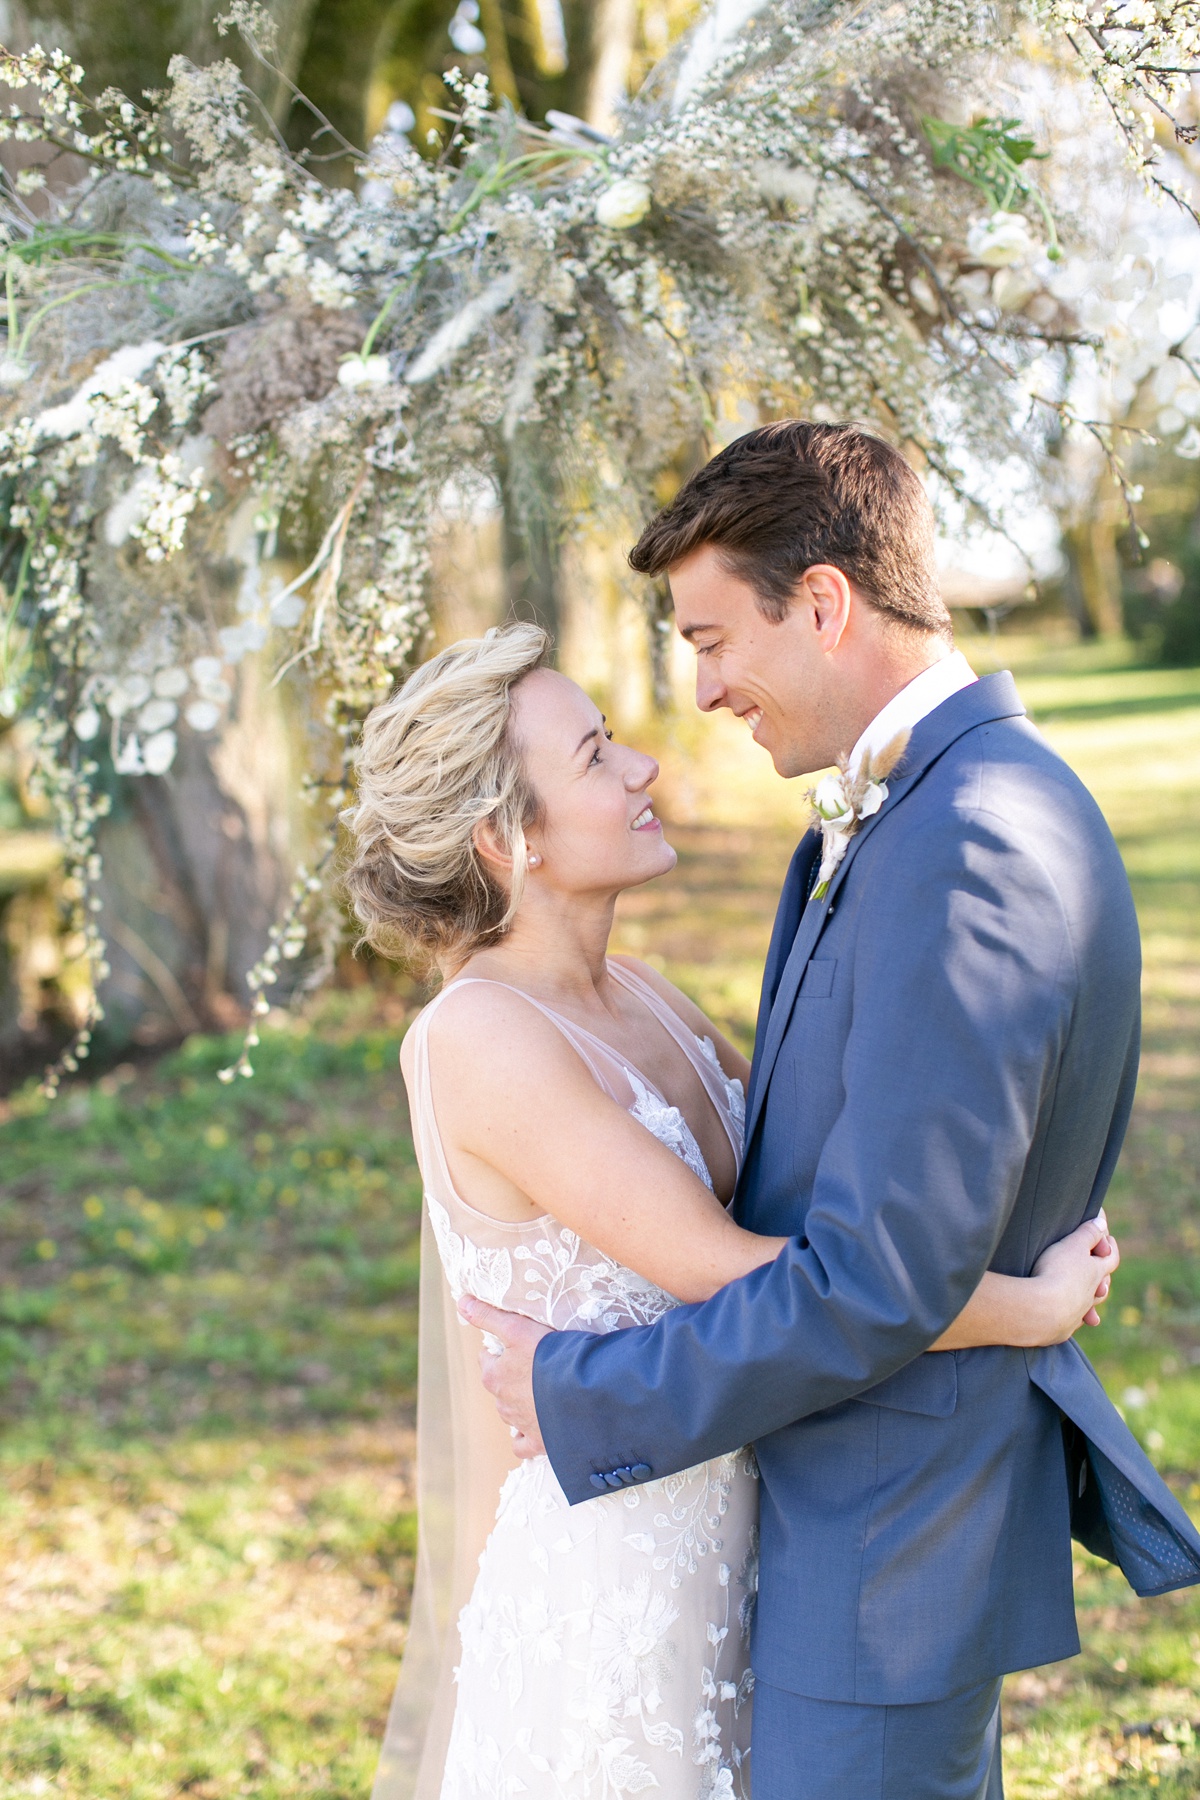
column 599, row 1483
column 614, row 1480
column 640, row 1471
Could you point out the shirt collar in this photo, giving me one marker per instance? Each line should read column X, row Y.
column 915, row 702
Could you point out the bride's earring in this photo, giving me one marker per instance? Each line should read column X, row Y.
column 534, row 860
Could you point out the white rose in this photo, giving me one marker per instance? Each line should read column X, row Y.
column 831, row 802
column 364, row 371
column 1013, row 288
column 1002, row 240
column 624, row 204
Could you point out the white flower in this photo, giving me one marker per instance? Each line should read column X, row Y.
column 1002, row 240
column 203, row 715
column 115, row 374
column 807, row 324
column 1013, row 288
column 328, row 286
column 159, row 752
column 170, row 683
column 832, row 803
column 364, row 371
column 127, row 694
column 1189, row 444
column 466, row 37
column 206, row 669
column 87, row 724
column 129, row 761
column 623, row 204
column 156, row 715
column 128, row 509
column 873, row 798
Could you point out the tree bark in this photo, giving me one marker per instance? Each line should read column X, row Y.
column 1094, row 574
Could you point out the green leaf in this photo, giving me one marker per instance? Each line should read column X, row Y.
column 988, row 154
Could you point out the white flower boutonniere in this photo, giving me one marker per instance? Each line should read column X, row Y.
column 842, row 801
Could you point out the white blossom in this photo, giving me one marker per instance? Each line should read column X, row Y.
column 158, row 752
column 364, row 371
column 623, row 204
column 1001, row 240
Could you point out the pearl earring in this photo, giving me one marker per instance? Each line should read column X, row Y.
column 534, row 861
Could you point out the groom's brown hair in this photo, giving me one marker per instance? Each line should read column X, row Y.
column 789, row 495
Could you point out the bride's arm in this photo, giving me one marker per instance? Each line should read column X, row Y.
column 1068, row 1281
column 527, row 1129
column 514, row 1101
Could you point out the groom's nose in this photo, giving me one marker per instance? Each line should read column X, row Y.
column 711, row 691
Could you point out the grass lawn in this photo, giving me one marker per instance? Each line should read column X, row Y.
column 206, row 1333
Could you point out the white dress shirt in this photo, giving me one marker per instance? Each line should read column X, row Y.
column 915, row 702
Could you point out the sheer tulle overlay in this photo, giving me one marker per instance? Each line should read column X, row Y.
column 601, row 1650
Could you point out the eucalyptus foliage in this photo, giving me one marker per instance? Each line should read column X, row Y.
column 812, row 204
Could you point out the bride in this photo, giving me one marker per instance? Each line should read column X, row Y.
column 578, row 1123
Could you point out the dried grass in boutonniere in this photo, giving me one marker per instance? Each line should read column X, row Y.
column 841, row 802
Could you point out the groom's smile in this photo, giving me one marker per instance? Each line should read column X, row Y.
column 806, row 683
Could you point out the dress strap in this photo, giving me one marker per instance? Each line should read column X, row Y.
column 700, row 1052
column 603, row 1064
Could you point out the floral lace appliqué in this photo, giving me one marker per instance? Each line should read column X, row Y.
column 605, row 1647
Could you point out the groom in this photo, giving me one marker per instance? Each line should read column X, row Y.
column 943, row 1072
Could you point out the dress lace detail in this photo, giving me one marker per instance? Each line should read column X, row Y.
column 604, row 1647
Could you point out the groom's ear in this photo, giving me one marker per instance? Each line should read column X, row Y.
column 828, row 597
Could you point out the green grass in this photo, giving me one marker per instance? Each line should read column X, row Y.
column 207, row 1302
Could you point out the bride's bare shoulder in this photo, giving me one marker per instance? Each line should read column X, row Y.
column 479, row 1030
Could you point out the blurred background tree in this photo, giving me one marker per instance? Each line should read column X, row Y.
column 196, row 865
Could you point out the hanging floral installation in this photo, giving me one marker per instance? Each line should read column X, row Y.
column 815, row 203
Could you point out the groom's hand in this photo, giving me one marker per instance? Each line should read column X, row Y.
column 508, row 1372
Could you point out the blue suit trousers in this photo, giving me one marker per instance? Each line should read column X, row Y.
column 838, row 1750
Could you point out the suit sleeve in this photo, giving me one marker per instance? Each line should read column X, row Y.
column 963, row 980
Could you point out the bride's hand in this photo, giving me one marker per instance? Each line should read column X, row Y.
column 507, row 1372
column 1071, row 1278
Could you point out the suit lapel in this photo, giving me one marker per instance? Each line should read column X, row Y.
column 787, row 920
column 993, row 697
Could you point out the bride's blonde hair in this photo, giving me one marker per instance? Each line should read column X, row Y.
column 437, row 759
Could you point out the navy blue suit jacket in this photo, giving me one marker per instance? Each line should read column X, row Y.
column 943, row 1073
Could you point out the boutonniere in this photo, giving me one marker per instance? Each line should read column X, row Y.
column 842, row 801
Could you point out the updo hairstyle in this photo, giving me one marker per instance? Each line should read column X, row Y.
column 435, row 760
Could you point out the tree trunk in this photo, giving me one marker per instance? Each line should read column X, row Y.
column 190, row 888
column 1094, row 574
column 529, row 541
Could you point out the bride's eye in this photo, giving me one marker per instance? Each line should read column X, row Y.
column 596, row 751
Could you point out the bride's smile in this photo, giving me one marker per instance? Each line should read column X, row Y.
column 596, row 831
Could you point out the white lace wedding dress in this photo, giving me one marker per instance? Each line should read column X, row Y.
column 603, row 1649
